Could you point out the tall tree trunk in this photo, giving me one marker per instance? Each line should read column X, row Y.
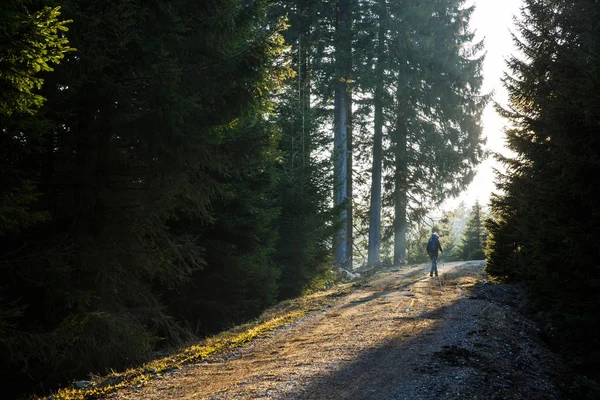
column 349, row 216
column 340, row 125
column 374, row 247
column 340, row 167
column 304, row 82
column 375, row 206
column 400, row 194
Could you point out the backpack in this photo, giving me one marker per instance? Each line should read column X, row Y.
column 433, row 244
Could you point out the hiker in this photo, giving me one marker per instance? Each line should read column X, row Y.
column 433, row 246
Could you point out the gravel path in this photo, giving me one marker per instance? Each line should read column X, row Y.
column 403, row 335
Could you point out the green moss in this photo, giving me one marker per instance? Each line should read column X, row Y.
column 320, row 282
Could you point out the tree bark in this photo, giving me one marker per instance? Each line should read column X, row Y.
column 374, row 247
column 400, row 192
column 340, row 125
column 304, row 95
column 349, row 194
column 340, row 166
column 375, row 206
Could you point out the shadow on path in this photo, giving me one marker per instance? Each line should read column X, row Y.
column 459, row 355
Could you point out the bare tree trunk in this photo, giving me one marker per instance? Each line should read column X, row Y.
column 304, row 95
column 349, row 194
column 400, row 195
column 340, row 166
column 374, row 247
column 340, row 126
column 375, row 206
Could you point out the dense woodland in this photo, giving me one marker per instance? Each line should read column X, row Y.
column 171, row 168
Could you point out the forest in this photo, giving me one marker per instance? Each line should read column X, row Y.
column 172, row 168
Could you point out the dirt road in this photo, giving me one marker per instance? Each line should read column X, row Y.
column 402, row 335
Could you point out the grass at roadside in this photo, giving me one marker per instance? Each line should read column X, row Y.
column 276, row 316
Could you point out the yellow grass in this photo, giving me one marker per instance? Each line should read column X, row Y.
column 279, row 315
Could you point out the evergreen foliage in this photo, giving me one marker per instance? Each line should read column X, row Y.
column 416, row 242
column 475, row 235
column 422, row 73
column 545, row 223
column 33, row 38
column 140, row 200
column 454, row 223
column 304, row 175
column 436, row 140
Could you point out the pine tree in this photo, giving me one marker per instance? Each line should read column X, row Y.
column 429, row 132
column 32, row 39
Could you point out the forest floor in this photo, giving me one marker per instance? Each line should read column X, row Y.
column 397, row 335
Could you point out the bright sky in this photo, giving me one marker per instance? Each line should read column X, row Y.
column 492, row 20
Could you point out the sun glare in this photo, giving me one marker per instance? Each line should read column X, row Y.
column 493, row 22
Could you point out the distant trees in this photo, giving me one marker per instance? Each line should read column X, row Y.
column 475, row 235
column 462, row 233
column 546, row 223
column 425, row 76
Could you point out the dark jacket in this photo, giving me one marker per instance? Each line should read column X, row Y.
column 430, row 251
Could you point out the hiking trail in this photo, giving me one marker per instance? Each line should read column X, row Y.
column 399, row 335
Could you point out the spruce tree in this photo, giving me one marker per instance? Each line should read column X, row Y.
column 32, row 42
column 475, row 235
column 33, row 38
column 436, row 140
column 419, row 75
column 545, row 221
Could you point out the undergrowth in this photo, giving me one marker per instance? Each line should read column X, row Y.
column 277, row 316
column 322, row 281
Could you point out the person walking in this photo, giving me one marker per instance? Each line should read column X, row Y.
column 433, row 247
